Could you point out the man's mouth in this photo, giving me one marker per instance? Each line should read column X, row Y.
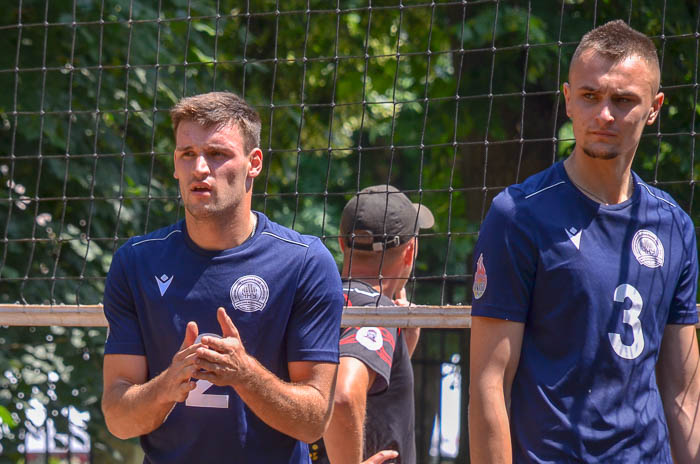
column 200, row 189
column 603, row 133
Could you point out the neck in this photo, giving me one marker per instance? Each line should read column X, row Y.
column 387, row 287
column 221, row 232
column 605, row 181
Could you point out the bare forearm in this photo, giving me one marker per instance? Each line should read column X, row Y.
column 489, row 429
column 134, row 410
column 683, row 417
column 682, row 409
column 344, row 437
column 412, row 334
column 678, row 378
column 300, row 411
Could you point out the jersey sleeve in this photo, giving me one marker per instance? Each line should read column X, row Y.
column 124, row 334
column 374, row 346
column 505, row 261
column 314, row 326
column 683, row 306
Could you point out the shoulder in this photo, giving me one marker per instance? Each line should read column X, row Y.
column 360, row 293
column 661, row 201
column 283, row 236
column 659, row 198
column 290, row 242
column 148, row 243
column 531, row 193
column 304, row 253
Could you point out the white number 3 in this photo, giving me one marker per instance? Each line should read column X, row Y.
column 630, row 317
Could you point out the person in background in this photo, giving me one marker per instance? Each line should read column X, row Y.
column 374, row 410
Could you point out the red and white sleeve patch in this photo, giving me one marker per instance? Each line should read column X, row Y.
column 480, row 278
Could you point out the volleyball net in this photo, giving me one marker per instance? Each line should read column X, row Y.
column 448, row 101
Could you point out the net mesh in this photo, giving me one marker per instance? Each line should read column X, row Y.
column 449, row 101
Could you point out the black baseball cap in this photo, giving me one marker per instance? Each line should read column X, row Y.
column 381, row 217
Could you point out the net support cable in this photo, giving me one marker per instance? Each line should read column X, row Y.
column 423, row 316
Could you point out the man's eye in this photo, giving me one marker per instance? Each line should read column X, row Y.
column 588, row 96
column 187, row 154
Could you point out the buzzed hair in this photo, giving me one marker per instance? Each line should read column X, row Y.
column 617, row 41
column 219, row 109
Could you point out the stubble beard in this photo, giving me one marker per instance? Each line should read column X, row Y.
column 211, row 210
column 602, row 155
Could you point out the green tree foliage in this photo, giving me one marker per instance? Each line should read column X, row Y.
column 450, row 101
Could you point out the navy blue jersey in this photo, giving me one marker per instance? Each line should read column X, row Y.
column 283, row 293
column 595, row 287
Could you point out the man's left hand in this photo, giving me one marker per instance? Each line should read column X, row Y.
column 224, row 360
column 401, row 299
column 381, row 457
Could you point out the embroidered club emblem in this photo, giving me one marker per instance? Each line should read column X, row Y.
column 370, row 338
column 480, row 278
column 249, row 294
column 163, row 283
column 648, row 249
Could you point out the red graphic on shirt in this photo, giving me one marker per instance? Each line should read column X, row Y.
column 349, row 338
column 480, row 278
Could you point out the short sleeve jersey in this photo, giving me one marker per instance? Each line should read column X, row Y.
column 283, row 293
column 595, row 286
column 390, row 418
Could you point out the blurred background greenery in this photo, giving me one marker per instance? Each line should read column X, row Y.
column 449, row 101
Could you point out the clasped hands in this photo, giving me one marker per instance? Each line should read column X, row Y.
column 221, row 361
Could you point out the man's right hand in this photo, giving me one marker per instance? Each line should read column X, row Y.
column 176, row 381
column 134, row 405
column 381, row 457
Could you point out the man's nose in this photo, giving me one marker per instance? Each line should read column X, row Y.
column 201, row 166
column 604, row 115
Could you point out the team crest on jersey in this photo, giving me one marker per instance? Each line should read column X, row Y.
column 480, row 278
column 648, row 249
column 370, row 338
column 249, row 294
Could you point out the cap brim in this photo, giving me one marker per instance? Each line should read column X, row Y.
column 425, row 216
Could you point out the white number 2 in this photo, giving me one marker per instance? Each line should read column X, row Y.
column 630, row 317
column 197, row 397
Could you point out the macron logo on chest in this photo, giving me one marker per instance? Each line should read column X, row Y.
column 164, row 282
column 574, row 236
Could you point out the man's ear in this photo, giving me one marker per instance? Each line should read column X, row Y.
column 567, row 95
column 655, row 108
column 341, row 242
column 409, row 253
column 255, row 162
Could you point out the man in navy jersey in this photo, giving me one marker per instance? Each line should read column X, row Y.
column 374, row 410
column 223, row 327
column 583, row 345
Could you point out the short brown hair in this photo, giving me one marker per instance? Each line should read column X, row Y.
column 219, row 109
column 617, row 41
